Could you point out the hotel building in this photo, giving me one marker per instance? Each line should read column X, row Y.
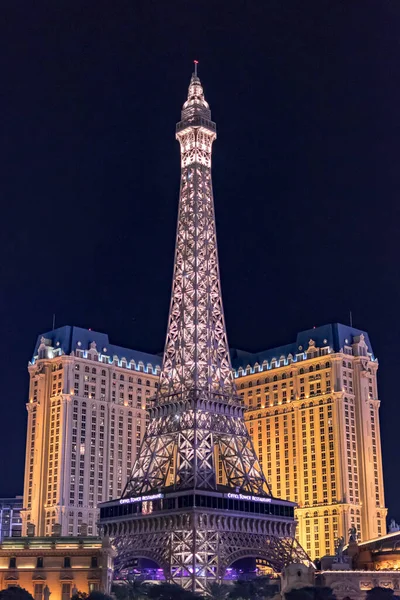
column 56, row 565
column 86, row 418
column 312, row 413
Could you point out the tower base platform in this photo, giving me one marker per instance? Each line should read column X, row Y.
column 196, row 535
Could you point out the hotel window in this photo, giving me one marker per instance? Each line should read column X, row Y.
column 66, row 591
column 38, row 591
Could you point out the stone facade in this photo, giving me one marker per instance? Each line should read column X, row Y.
column 313, row 414
column 86, row 419
column 361, row 567
column 355, row 584
column 60, row 566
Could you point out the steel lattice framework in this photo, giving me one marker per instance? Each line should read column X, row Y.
column 198, row 415
column 195, row 548
column 197, row 419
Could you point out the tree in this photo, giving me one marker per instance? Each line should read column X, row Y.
column 219, row 591
column 120, row 590
column 95, row 595
column 311, row 593
column 378, row 593
column 242, row 590
column 79, row 596
column 169, row 591
column 253, row 589
column 98, row 596
column 130, row 589
column 15, row 593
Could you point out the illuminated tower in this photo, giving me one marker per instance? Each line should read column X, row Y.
column 197, row 406
column 173, row 509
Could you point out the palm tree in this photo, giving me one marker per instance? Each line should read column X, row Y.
column 95, row 595
column 311, row 593
column 241, row 590
column 169, row 591
column 136, row 589
column 79, row 596
column 253, row 589
column 130, row 589
column 219, row 591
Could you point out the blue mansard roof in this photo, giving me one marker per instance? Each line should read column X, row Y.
column 70, row 339
column 335, row 336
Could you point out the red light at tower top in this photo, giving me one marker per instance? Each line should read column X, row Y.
column 196, row 62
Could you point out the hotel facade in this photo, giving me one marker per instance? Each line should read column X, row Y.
column 313, row 414
column 86, row 419
column 56, row 565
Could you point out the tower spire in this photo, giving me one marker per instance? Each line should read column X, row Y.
column 197, row 417
column 197, row 499
column 196, row 356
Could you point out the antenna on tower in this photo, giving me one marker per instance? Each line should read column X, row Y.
column 54, row 321
column 196, row 62
column 351, row 319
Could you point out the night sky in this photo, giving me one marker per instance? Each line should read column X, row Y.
column 306, row 97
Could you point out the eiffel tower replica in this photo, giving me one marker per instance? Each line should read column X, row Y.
column 197, row 499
